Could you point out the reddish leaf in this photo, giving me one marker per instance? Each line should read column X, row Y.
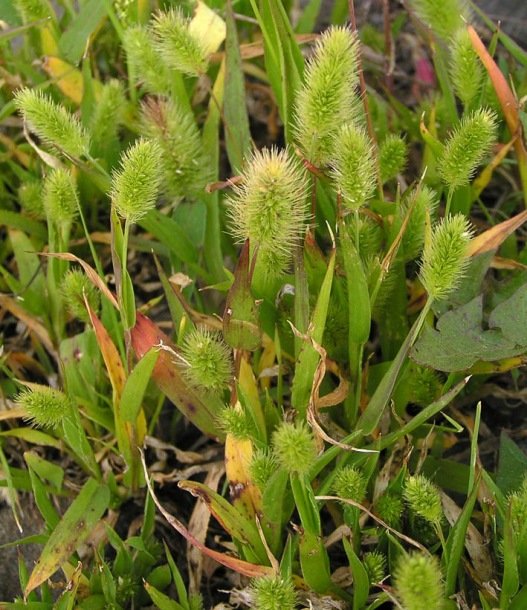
column 200, row 408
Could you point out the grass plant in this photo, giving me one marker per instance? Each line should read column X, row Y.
column 291, row 323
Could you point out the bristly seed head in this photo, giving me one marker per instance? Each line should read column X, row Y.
column 45, row 406
column 269, row 207
column 294, row 447
column 209, row 360
column 328, row 98
column 445, row 256
column 135, row 186
column 353, row 166
column 466, row 147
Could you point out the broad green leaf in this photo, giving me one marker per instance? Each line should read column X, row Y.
column 237, row 134
column 460, row 340
column 77, row 522
column 45, row 506
column 512, row 465
column 361, row 583
column 178, row 579
column 135, row 386
column 73, row 41
column 47, row 471
column 15, row 220
column 470, row 285
column 31, row 435
column 241, row 320
column 31, row 274
column 162, row 601
column 309, row 357
column 314, row 562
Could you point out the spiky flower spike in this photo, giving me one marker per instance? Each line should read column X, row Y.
column 294, row 447
column 75, row 284
column 353, row 166
column 327, row 98
column 422, row 496
column 392, row 156
column 181, row 48
column 234, row 420
column 33, row 10
column 108, row 113
column 30, row 198
column 466, row 70
column 425, row 385
column 425, row 202
column 444, row 17
column 262, row 466
column 417, row 582
column 145, row 61
column 44, row 406
column 209, row 365
column 350, row 484
column 135, row 186
column 185, row 165
column 53, row 123
column 445, row 259
column 268, row 207
column 375, row 564
column 389, row 507
column 466, row 147
column 518, row 512
column 273, row 593
column 60, row 198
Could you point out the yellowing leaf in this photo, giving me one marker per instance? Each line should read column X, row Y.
column 209, row 26
column 68, row 79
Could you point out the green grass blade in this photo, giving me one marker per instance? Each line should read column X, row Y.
column 77, row 522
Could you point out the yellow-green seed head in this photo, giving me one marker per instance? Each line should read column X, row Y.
column 392, row 156
column 445, row 259
column 53, row 123
column 425, row 385
column 350, row 484
column 209, row 365
column 45, row 407
column 273, row 593
column 389, row 507
column 32, row 10
column 179, row 46
column 353, row 166
column 30, row 199
column 375, row 564
column 186, row 169
column 425, row 202
column 417, row 582
column 466, row 70
column 444, row 17
column 422, row 496
column 60, row 197
column 466, row 147
column 75, row 284
column 294, row 447
column 135, row 186
column 108, row 113
column 262, row 467
column 237, row 422
column 145, row 61
column 327, row 99
column 269, row 207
